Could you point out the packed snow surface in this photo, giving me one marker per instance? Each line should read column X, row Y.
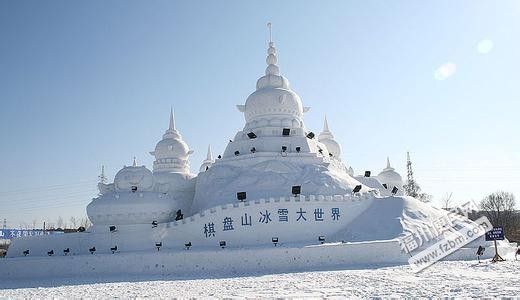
column 445, row 279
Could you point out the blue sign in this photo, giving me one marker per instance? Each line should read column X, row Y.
column 17, row 233
column 495, row 234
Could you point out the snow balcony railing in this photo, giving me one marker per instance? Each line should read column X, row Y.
column 263, row 201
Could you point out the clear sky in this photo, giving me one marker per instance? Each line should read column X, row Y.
column 86, row 83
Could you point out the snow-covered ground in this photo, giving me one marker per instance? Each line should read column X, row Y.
column 445, row 279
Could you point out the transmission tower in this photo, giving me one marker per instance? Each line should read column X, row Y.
column 102, row 178
column 410, row 186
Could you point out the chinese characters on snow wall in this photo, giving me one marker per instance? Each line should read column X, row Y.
column 266, row 216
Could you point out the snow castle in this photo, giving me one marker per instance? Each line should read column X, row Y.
column 279, row 197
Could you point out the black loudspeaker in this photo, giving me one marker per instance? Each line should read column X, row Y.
column 50, row 253
column 284, row 148
column 384, row 184
column 187, row 245
column 241, row 196
column 134, row 188
column 310, row 135
column 154, row 224
column 296, row 190
column 237, row 153
column 394, row 190
column 26, row 252
column 286, row 131
column 253, row 150
column 321, row 239
column 113, row 249
column 251, row 135
column 222, row 244
column 219, row 156
column 367, row 173
column 357, row 188
column 298, row 149
column 274, row 240
column 179, row 215
column 66, row 251
column 92, row 250
column 112, row 228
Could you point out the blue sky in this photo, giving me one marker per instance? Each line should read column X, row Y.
column 89, row 83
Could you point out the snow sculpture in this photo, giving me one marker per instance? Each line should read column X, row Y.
column 133, row 178
column 327, row 139
column 139, row 196
column 206, row 164
column 274, row 151
column 391, row 179
column 171, row 153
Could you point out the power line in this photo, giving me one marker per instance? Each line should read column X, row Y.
column 48, row 187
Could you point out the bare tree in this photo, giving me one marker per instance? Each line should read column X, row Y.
column 499, row 208
column 446, row 201
column 73, row 222
column 413, row 189
column 85, row 222
column 59, row 222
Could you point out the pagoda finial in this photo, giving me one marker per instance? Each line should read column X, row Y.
column 134, row 164
column 269, row 25
column 388, row 163
column 325, row 125
column 210, row 155
column 272, row 60
column 172, row 119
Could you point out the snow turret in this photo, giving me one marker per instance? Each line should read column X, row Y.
column 328, row 140
column 134, row 178
column 390, row 177
column 350, row 171
column 206, row 164
column 273, row 104
column 171, row 153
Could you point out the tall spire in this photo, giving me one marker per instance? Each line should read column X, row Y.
column 326, row 125
column 134, row 164
column 206, row 164
column 272, row 60
column 325, row 134
column 172, row 132
column 388, row 166
column 272, row 77
column 269, row 25
column 172, row 120
column 209, row 157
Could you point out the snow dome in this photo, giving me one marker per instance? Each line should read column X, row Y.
column 133, row 177
column 171, row 153
column 273, row 103
column 390, row 177
column 328, row 140
column 206, row 164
